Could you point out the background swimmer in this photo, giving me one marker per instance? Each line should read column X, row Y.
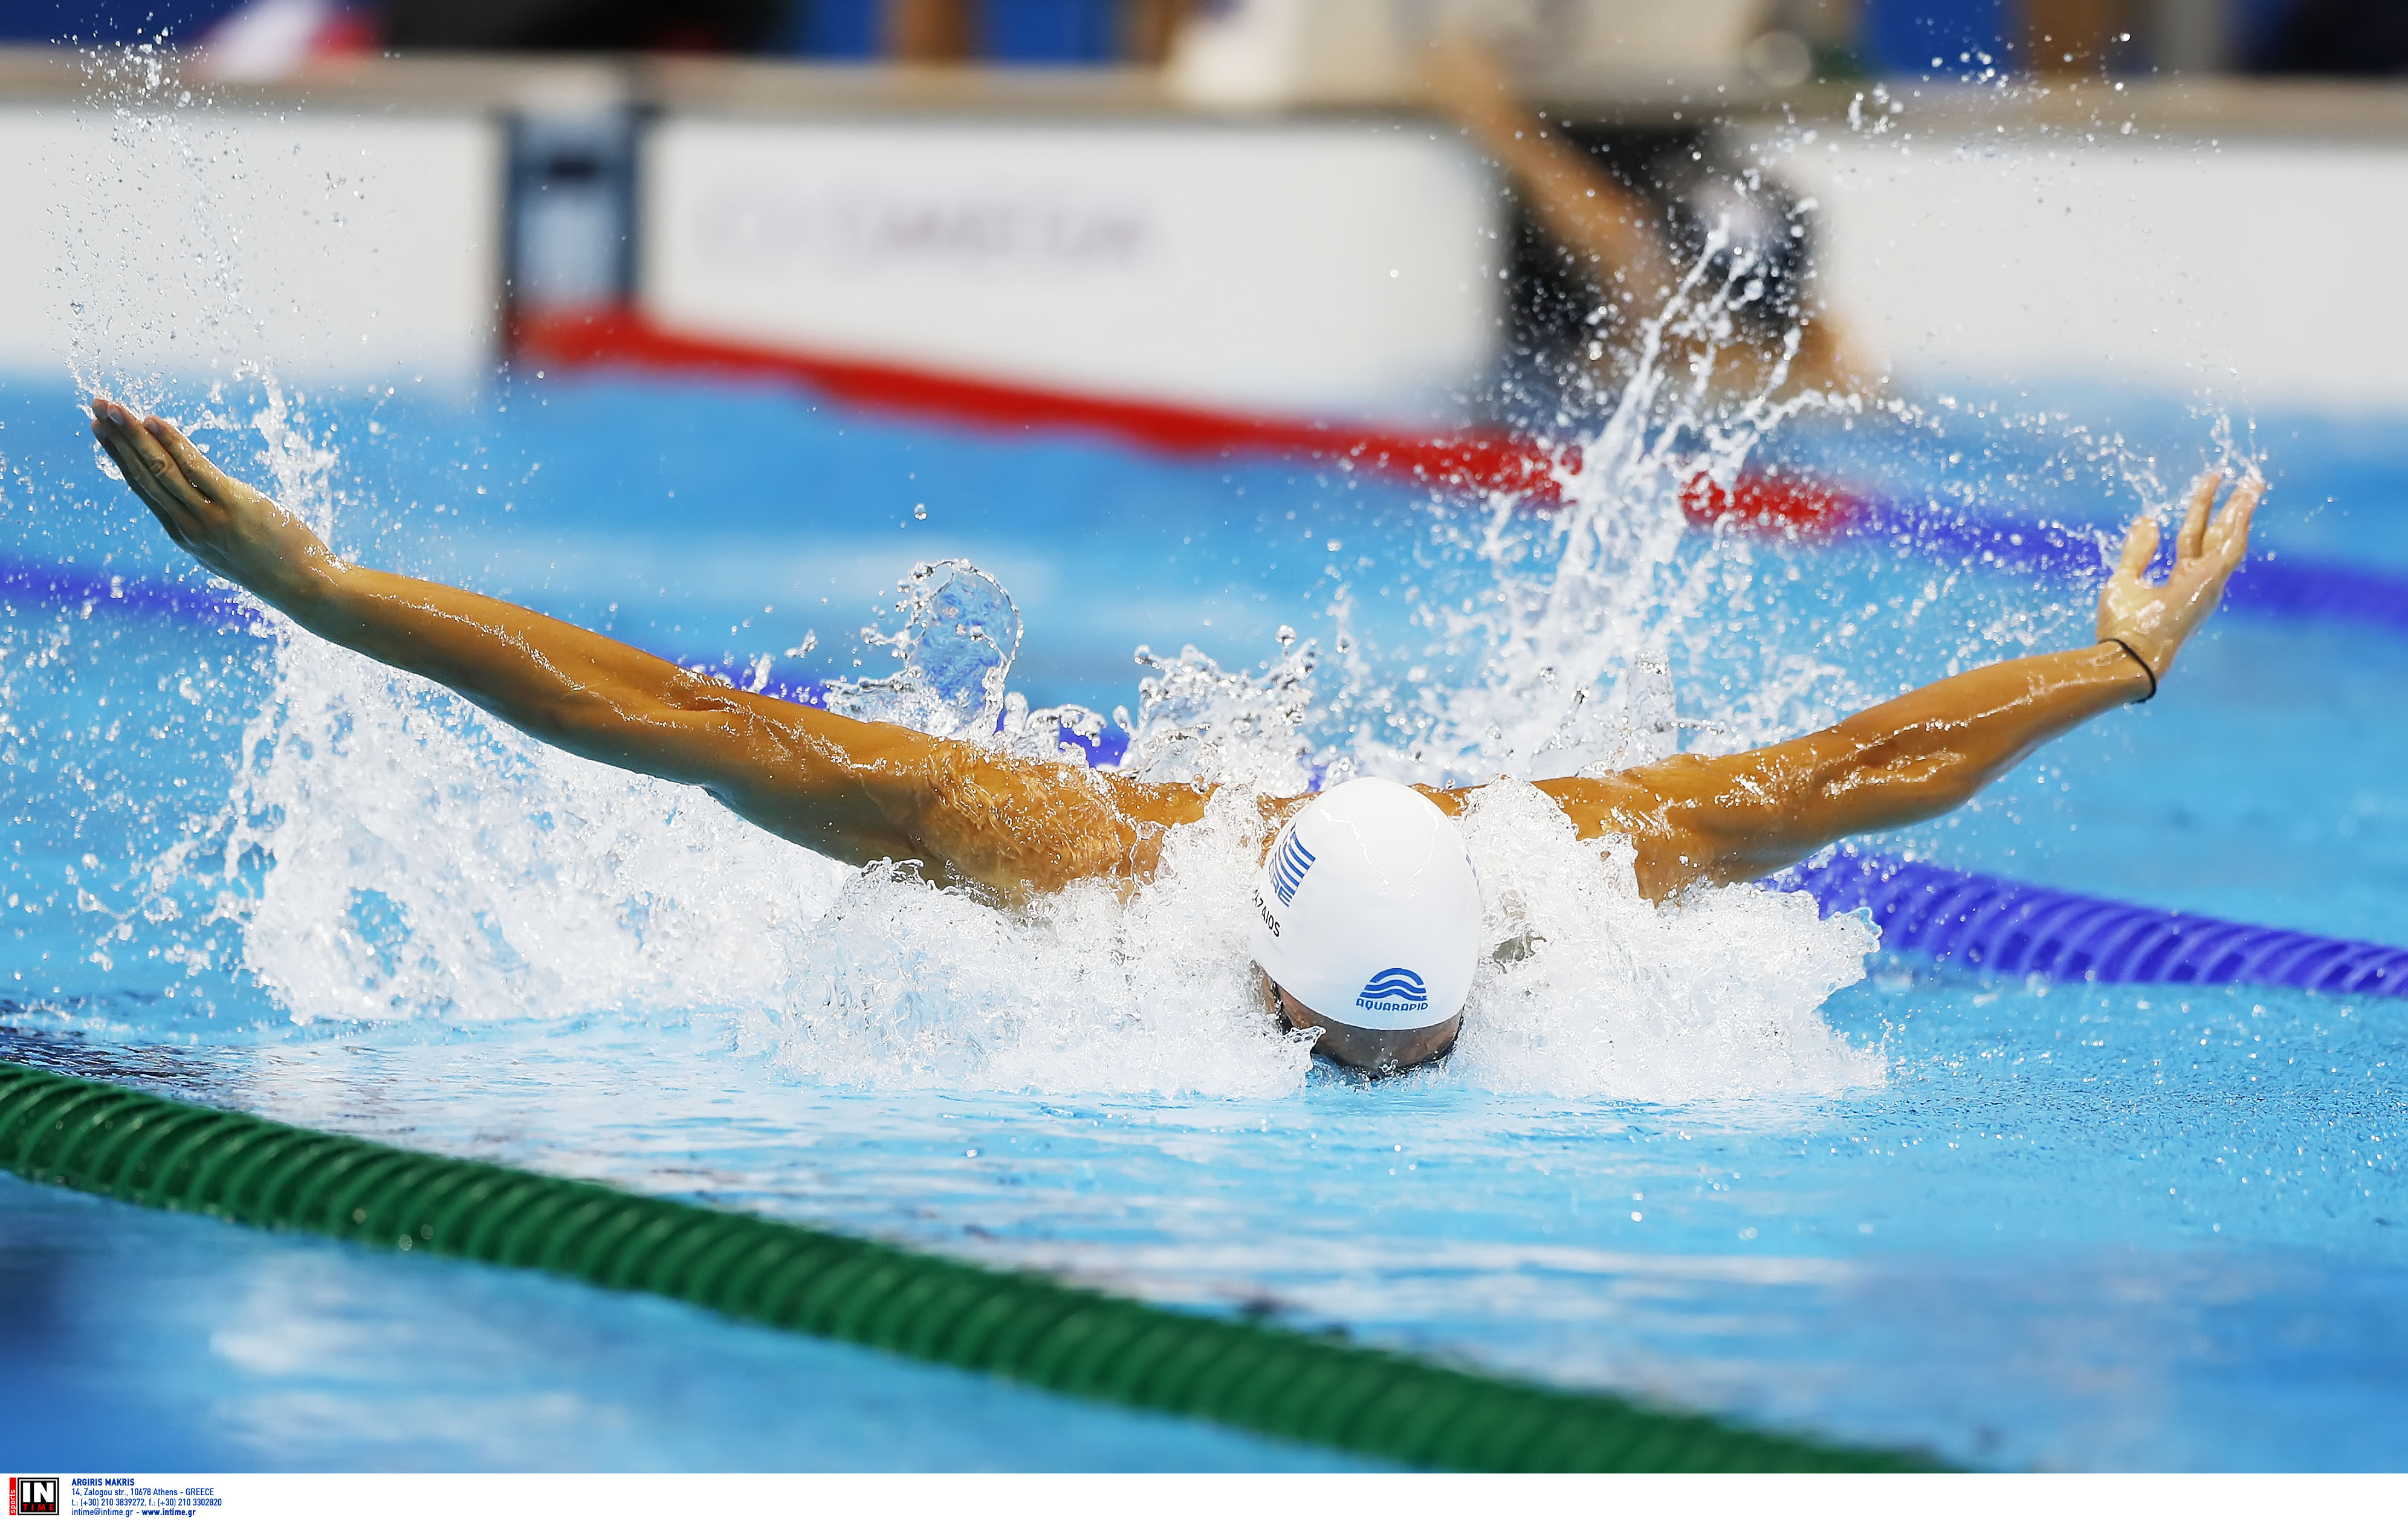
column 1631, row 251
column 1010, row 828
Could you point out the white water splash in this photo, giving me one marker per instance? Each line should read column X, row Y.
column 960, row 634
column 1574, row 615
column 428, row 864
column 1609, row 995
column 904, row 986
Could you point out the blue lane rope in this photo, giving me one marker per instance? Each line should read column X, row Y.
column 66, row 586
column 2014, row 929
column 2289, row 590
column 1982, row 921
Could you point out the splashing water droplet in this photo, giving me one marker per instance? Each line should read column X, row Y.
column 960, row 634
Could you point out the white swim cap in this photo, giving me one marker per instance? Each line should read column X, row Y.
column 1367, row 909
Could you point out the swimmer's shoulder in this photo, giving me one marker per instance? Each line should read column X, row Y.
column 1628, row 803
column 1158, row 804
column 1623, row 802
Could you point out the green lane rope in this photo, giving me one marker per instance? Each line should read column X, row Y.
column 156, row 1152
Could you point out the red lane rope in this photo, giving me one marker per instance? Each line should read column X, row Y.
column 1768, row 503
column 1477, row 460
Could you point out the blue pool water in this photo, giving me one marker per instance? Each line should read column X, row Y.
column 142, row 1342
column 2015, row 1223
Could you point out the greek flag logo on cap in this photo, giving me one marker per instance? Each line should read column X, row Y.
column 1396, row 990
column 1288, row 868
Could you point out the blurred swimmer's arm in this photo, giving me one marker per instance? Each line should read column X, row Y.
column 1622, row 237
column 856, row 791
column 1739, row 816
column 1583, row 208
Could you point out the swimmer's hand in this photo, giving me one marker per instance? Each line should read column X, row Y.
column 233, row 530
column 2156, row 619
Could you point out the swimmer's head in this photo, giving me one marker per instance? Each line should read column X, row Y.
column 1367, row 922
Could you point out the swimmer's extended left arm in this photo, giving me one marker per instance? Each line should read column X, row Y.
column 831, row 784
column 857, row 792
column 1738, row 817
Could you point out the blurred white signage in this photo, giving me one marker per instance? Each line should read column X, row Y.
column 1992, row 262
column 1271, row 53
column 854, row 229
column 320, row 246
column 1327, row 269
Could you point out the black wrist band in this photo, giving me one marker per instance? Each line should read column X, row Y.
column 2137, row 660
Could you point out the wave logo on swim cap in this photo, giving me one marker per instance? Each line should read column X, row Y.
column 1395, row 990
column 1287, row 870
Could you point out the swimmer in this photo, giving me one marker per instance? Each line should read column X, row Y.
column 1367, row 910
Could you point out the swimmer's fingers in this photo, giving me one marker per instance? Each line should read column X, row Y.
column 129, row 463
column 2193, row 539
column 2227, row 540
column 138, row 480
column 212, row 481
column 2140, row 547
column 147, row 470
column 160, row 469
